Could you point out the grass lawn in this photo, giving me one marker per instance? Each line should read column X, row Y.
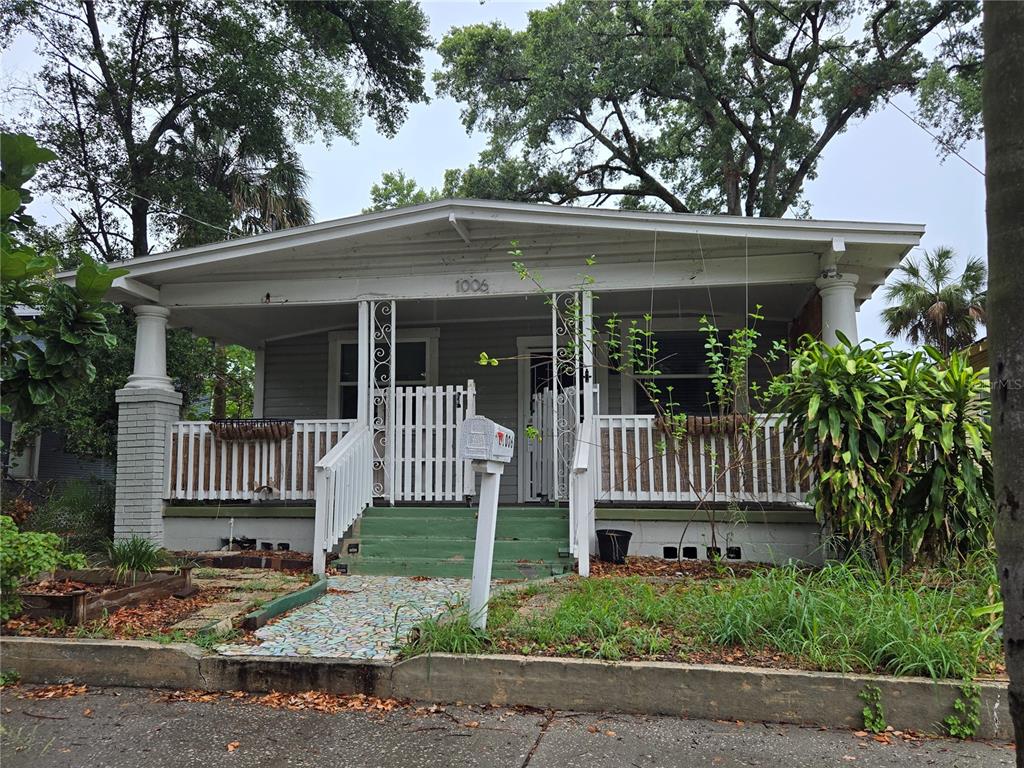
column 843, row 617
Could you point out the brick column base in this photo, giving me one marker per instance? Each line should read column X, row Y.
column 144, row 418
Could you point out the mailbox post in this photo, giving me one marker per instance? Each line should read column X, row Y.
column 490, row 447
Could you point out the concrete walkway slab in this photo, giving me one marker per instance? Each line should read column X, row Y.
column 360, row 617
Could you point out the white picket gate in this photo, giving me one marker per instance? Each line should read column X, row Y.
column 427, row 423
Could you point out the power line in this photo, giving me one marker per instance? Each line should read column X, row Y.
column 949, row 147
column 162, row 209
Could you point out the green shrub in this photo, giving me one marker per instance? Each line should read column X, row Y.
column 129, row 556
column 899, row 446
column 24, row 556
column 80, row 512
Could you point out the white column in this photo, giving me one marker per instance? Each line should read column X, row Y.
column 150, row 349
column 587, row 352
column 838, row 307
column 147, row 407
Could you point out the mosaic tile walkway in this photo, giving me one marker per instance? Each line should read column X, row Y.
column 361, row 617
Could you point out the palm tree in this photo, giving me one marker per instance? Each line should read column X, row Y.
column 261, row 193
column 268, row 196
column 257, row 194
column 930, row 307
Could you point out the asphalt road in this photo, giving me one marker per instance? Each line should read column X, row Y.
column 123, row 727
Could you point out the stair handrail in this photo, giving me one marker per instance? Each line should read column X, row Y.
column 344, row 489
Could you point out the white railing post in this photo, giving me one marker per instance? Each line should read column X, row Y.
column 581, row 496
column 320, row 523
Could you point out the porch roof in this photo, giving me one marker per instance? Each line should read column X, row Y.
column 425, row 251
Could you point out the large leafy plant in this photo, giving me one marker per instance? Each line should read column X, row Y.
column 44, row 323
column 897, row 442
column 949, row 504
column 24, row 556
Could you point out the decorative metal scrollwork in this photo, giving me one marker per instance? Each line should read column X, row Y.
column 566, row 345
column 382, row 387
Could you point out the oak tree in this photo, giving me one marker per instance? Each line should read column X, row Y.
column 122, row 82
column 688, row 106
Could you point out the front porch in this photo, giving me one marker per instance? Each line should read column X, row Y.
column 397, row 448
column 368, row 335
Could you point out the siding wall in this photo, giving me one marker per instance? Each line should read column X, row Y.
column 295, row 379
column 56, row 464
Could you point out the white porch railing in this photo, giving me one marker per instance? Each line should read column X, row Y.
column 635, row 461
column 203, row 466
column 344, row 488
column 581, row 496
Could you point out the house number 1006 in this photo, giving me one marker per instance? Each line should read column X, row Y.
column 471, row 285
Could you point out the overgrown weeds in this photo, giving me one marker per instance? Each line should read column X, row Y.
column 843, row 617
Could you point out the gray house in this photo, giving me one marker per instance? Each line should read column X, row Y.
column 369, row 334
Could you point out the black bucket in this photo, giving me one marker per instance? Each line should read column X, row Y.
column 612, row 545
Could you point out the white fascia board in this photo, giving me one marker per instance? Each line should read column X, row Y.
column 802, row 230
column 808, row 230
column 764, row 270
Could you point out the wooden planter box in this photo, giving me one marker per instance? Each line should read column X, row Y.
column 276, row 561
column 81, row 606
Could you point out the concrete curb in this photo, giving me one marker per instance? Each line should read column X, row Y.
column 700, row 691
column 653, row 688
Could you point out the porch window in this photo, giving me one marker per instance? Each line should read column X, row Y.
column 415, row 365
column 683, row 367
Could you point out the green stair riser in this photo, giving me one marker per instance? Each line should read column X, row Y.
column 439, row 541
column 462, row 529
column 465, row 513
column 443, row 549
column 454, row 570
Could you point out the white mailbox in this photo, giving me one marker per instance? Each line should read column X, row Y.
column 483, row 440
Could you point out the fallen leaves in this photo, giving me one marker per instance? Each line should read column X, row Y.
column 233, row 745
column 328, row 703
column 192, row 696
column 315, row 701
column 670, row 569
column 122, row 624
column 87, row 712
column 44, row 692
column 64, row 587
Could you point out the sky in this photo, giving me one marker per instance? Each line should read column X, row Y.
column 883, row 168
